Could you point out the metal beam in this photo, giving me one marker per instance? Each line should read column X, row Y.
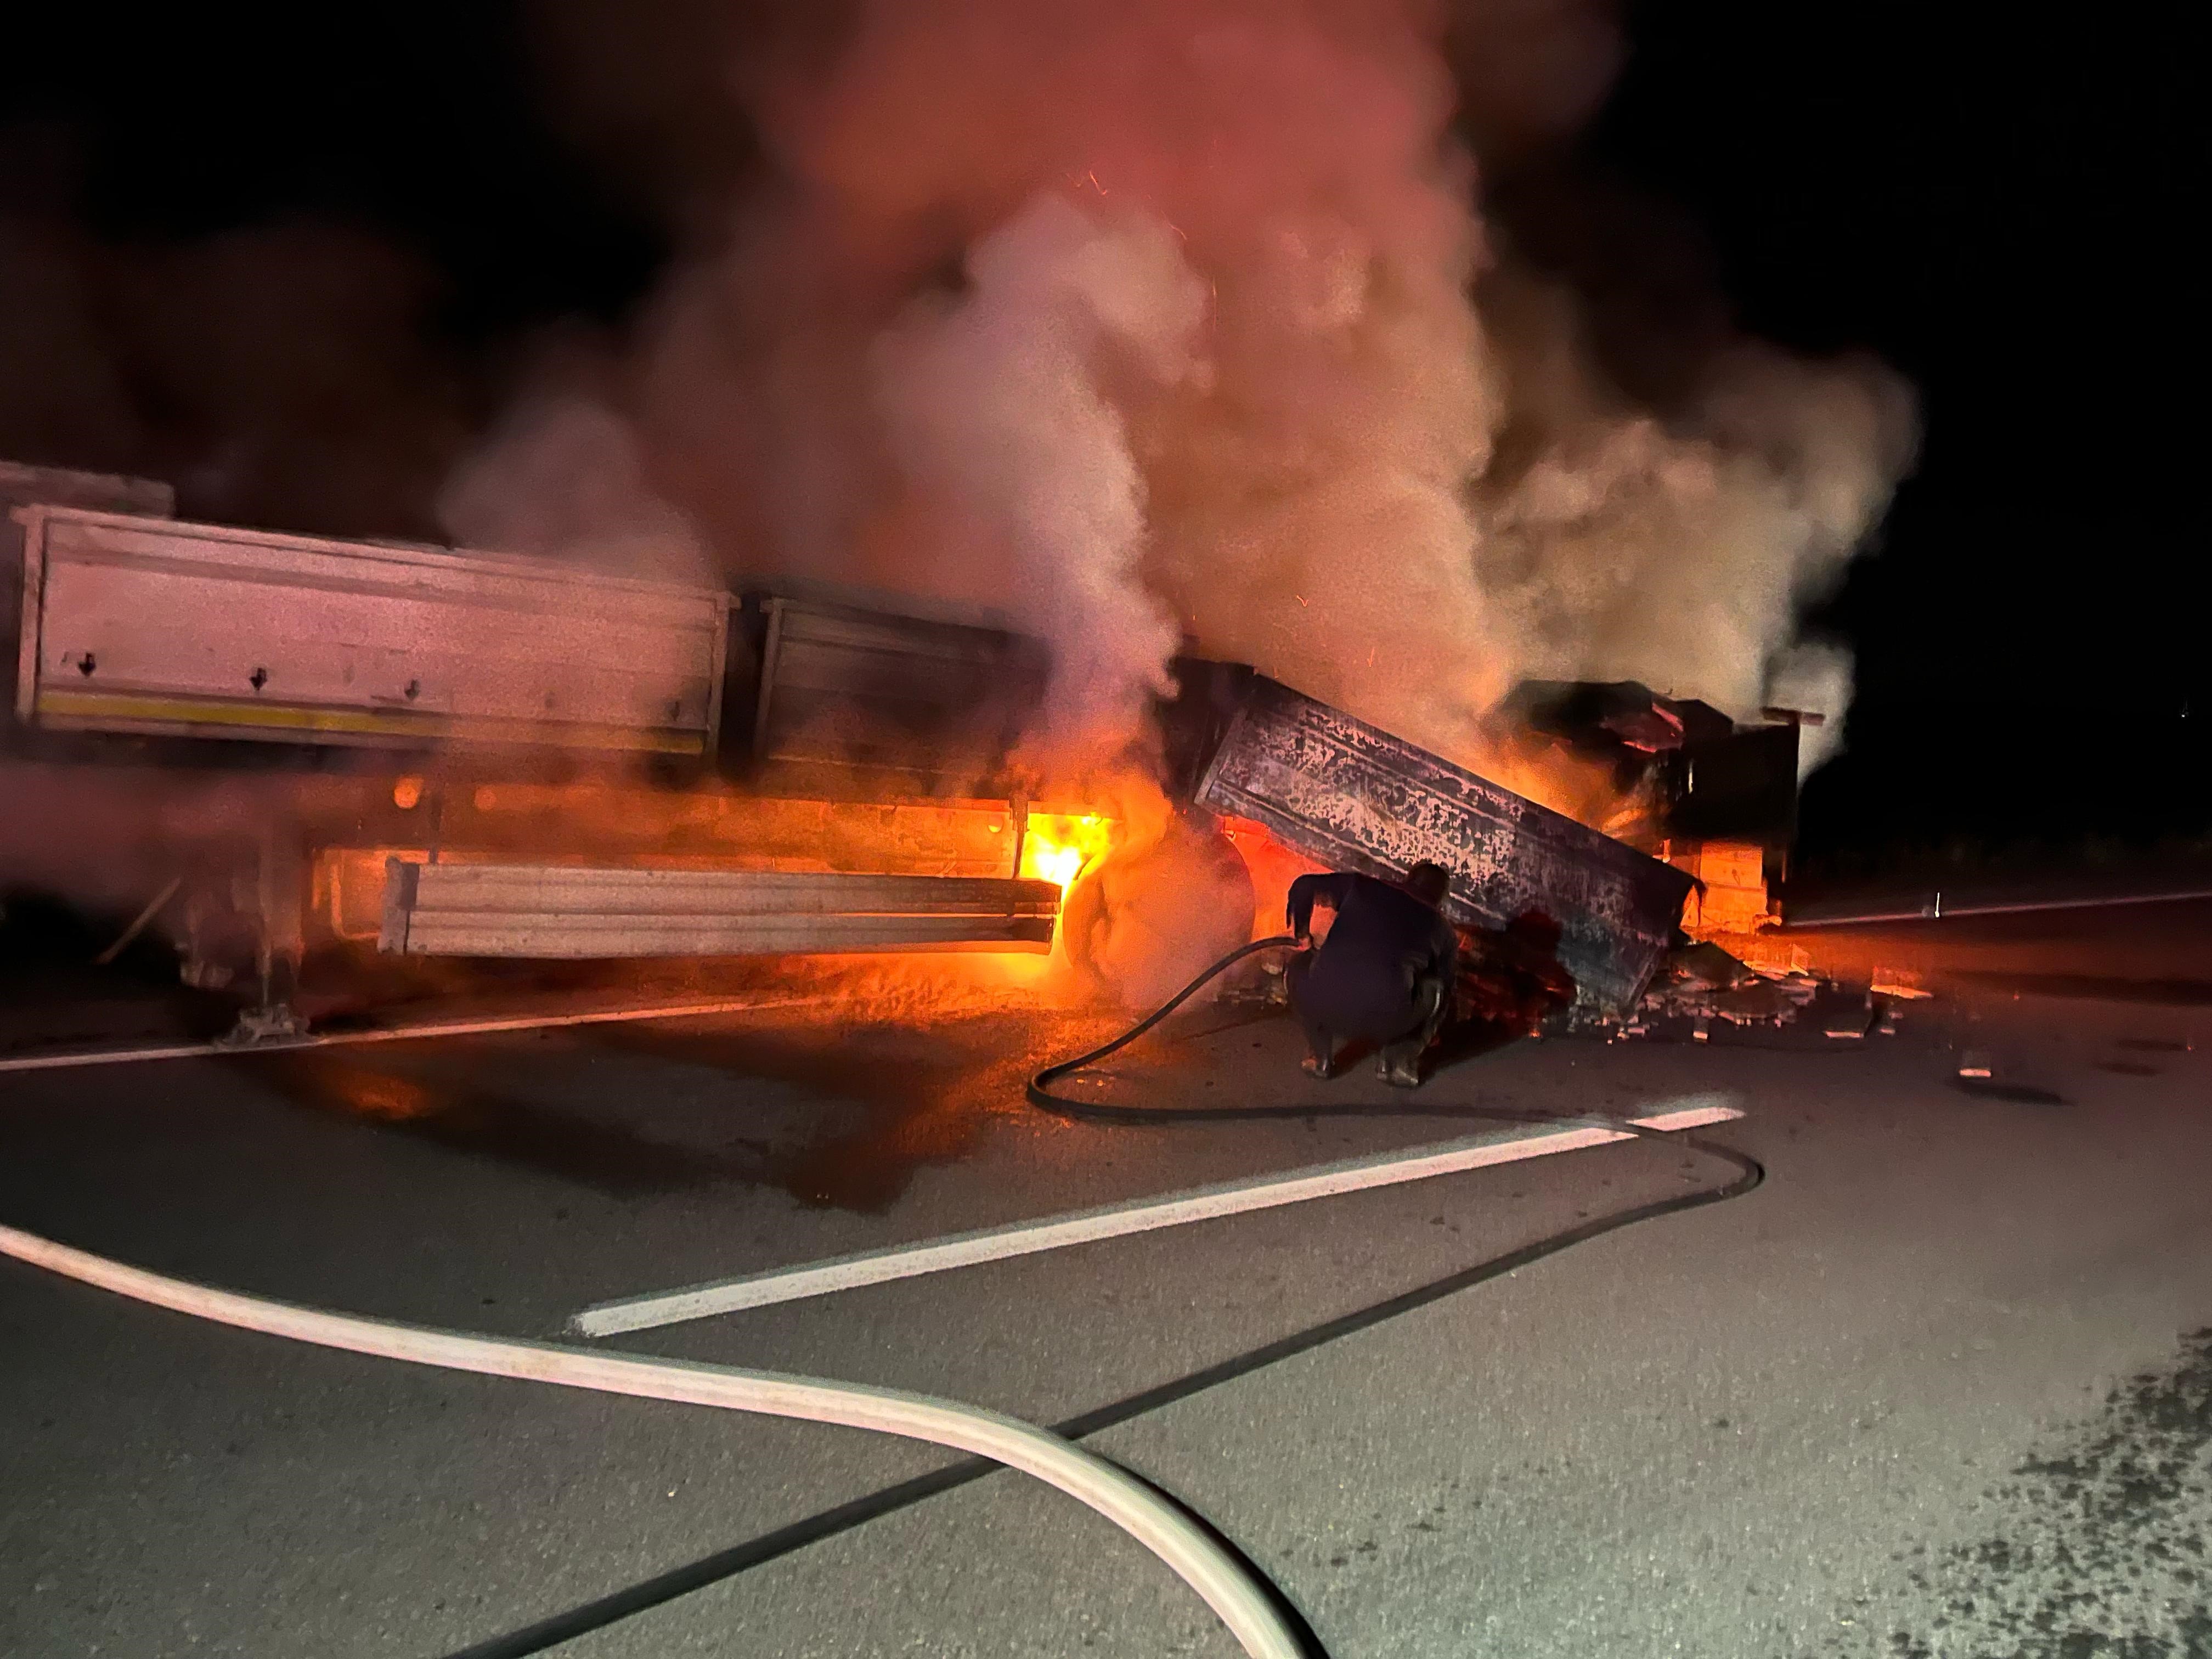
column 155, row 626
column 548, row 911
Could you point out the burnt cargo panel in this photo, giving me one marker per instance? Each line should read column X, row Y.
column 1712, row 779
column 852, row 700
column 1356, row 797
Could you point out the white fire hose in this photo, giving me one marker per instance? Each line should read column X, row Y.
column 1244, row 1602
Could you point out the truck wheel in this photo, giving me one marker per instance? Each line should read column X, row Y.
column 1141, row 922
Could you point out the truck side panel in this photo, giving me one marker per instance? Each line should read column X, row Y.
column 137, row 625
column 855, row 702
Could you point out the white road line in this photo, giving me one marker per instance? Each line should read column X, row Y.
column 2024, row 906
column 445, row 1028
column 846, row 1272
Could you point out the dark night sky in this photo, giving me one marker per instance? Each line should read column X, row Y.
column 418, row 118
column 2003, row 217
column 2001, row 211
column 1998, row 208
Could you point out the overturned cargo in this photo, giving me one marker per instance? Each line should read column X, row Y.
column 1355, row 798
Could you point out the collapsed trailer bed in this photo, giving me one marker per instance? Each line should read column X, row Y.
column 1353, row 796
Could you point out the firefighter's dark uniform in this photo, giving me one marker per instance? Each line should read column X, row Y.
column 1384, row 975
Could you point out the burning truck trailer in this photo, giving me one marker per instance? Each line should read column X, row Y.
column 297, row 745
column 363, row 747
column 1595, row 916
column 1716, row 800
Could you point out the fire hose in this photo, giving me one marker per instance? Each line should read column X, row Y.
column 1254, row 1611
column 1040, row 1091
column 1246, row 1604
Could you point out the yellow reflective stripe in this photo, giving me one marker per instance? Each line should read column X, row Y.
column 292, row 717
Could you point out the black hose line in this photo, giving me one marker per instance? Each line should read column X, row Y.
column 1040, row 1095
column 1751, row 1172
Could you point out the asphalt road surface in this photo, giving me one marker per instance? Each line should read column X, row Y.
column 1942, row 1386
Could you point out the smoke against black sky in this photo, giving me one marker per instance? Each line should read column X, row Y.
column 1392, row 456
column 290, row 262
column 1389, row 462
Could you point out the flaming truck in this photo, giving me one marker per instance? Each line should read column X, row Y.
column 300, row 742
column 293, row 742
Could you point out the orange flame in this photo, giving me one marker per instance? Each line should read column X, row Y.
column 1060, row 846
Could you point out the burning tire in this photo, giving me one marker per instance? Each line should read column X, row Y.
column 1142, row 921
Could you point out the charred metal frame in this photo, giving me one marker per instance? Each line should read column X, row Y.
column 1355, row 798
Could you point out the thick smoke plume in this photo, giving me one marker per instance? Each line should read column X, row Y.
column 1140, row 318
column 1138, row 321
column 997, row 397
column 562, row 477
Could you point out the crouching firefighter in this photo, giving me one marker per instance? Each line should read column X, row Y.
column 1382, row 974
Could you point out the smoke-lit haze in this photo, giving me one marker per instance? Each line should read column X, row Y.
column 562, row 477
column 1135, row 320
column 998, row 399
column 1182, row 317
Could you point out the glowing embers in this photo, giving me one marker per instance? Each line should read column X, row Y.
column 1059, row 846
column 1730, row 900
column 364, row 1092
